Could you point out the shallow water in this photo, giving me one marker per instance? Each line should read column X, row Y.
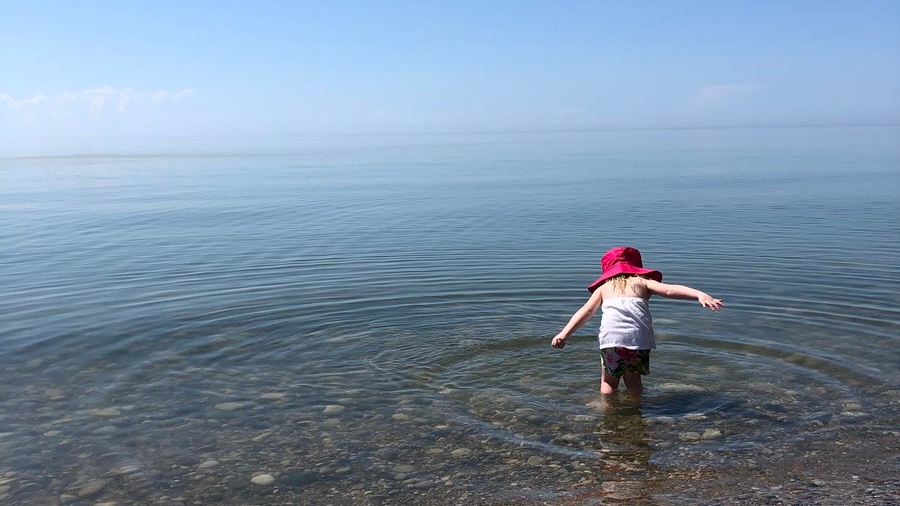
column 368, row 321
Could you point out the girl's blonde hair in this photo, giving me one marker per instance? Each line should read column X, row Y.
column 620, row 282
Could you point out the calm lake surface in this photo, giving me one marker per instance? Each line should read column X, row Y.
column 368, row 320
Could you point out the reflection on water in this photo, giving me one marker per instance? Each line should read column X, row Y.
column 372, row 326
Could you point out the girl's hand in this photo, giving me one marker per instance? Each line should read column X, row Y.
column 707, row 301
column 558, row 342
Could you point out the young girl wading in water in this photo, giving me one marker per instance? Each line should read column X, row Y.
column 626, row 328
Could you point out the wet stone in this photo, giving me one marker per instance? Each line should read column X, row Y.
column 208, row 464
column 461, row 452
column 821, row 416
column 622, row 490
column 27, row 488
column 237, row 483
column 263, row 480
column 91, row 489
column 680, row 387
column 388, row 453
column 55, row 394
column 124, row 470
column 424, row 485
column 229, row 406
column 568, row 439
column 260, row 438
column 333, row 408
column 106, row 413
column 712, row 434
column 298, row 478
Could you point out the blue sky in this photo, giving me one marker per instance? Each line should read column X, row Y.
column 212, row 68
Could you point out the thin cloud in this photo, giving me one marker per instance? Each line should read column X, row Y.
column 97, row 100
column 162, row 96
column 25, row 103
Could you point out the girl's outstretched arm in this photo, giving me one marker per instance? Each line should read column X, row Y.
column 684, row 292
column 578, row 319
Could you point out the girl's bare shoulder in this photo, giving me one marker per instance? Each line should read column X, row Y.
column 636, row 286
column 625, row 286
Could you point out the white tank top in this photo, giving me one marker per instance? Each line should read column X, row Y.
column 626, row 323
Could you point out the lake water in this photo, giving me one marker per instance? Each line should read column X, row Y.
column 368, row 320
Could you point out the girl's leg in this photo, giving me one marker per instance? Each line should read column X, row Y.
column 633, row 384
column 608, row 382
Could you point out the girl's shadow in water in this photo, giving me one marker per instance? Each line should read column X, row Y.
column 625, row 432
column 664, row 403
column 625, row 422
column 679, row 403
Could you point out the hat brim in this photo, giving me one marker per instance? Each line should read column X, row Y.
column 623, row 268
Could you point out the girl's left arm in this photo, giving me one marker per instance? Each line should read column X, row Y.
column 585, row 313
column 684, row 292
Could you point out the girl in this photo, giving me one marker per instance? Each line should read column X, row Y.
column 626, row 328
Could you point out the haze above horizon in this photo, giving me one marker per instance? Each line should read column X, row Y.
column 136, row 70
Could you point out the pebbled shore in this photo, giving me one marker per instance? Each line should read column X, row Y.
column 268, row 450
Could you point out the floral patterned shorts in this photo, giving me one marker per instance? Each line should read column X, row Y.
column 618, row 360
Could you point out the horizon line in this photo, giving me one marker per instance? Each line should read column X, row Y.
column 62, row 152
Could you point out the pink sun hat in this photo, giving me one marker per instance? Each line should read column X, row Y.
column 623, row 260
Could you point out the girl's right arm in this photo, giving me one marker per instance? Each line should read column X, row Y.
column 578, row 319
column 684, row 292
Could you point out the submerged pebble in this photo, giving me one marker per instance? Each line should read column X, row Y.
column 461, row 452
column 298, row 478
column 106, row 413
column 263, row 479
column 91, row 489
column 125, row 470
column 55, row 394
column 229, row 406
column 712, row 434
column 424, row 485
